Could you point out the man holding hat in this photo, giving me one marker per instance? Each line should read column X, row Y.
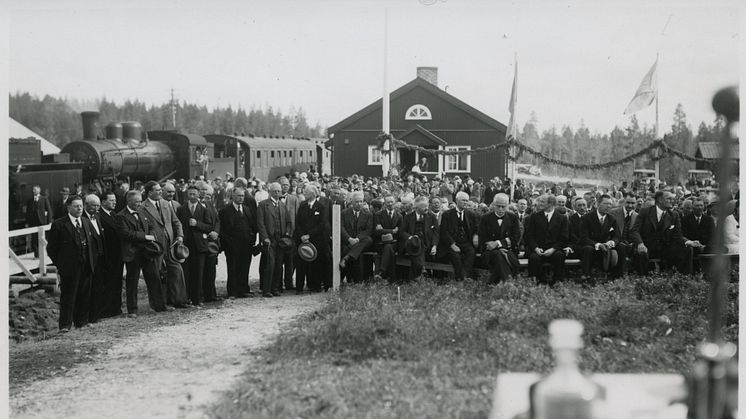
column 387, row 223
column 599, row 237
column 356, row 235
column 274, row 228
column 499, row 233
column 418, row 236
column 313, row 227
column 197, row 224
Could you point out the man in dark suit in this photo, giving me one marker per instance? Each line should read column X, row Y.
column 237, row 237
column 546, row 235
column 168, row 231
column 458, row 237
column 599, row 233
column 699, row 228
column 356, row 236
column 72, row 248
column 625, row 216
column 111, row 302
column 312, row 224
column 274, row 225
column 195, row 221
column 420, row 223
column 136, row 228
column 289, row 256
column 499, row 232
column 387, row 221
column 657, row 234
column 209, row 292
column 98, row 290
column 38, row 213
column 60, row 208
column 574, row 247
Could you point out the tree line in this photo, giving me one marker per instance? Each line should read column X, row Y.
column 58, row 119
column 581, row 146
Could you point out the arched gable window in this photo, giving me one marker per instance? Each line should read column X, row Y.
column 418, row 112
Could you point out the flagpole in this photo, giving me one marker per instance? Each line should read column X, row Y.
column 657, row 93
column 386, row 123
column 513, row 130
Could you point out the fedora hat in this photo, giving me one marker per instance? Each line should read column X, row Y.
column 413, row 245
column 307, row 252
column 152, row 249
column 213, row 248
column 610, row 259
column 387, row 238
column 180, row 252
column 285, row 243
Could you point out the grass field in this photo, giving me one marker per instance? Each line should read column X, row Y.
column 437, row 351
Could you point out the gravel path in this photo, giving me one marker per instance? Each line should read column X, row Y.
column 171, row 371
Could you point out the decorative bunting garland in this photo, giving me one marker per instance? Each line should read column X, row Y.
column 660, row 145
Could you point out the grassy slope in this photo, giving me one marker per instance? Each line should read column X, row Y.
column 437, row 352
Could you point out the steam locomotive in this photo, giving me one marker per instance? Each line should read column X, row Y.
column 126, row 152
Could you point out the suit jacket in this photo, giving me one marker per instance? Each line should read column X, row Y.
column 97, row 235
column 449, row 226
column 352, row 227
column 133, row 231
column 175, row 204
column 267, row 222
column 60, row 210
column 702, row 231
column 168, row 228
column 618, row 214
column 292, row 203
column 214, row 217
column 388, row 223
column 195, row 237
column 431, row 230
column 112, row 240
column 592, row 232
column 229, row 217
column 574, row 226
column 64, row 249
column 314, row 221
column 555, row 234
column 491, row 230
column 655, row 235
column 38, row 213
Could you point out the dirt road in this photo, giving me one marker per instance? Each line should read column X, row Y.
column 167, row 365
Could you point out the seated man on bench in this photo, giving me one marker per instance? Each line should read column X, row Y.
column 599, row 235
column 458, row 237
column 356, row 234
column 387, row 223
column 422, row 224
column 547, row 233
column 698, row 227
column 499, row 232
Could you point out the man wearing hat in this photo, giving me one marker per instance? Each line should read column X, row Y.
column 238, row 227
column 387, row 223
column 418, row 236
column 499, row 232
column 313, row 226
column 274, row 228
column 73, row 251
column 599, row 236
column 168, row 232
column 356, row 235
column 196, row 223
column 136, row 230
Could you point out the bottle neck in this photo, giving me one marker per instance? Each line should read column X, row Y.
column 566, row 359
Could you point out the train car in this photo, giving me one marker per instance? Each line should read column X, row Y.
column 265, row 158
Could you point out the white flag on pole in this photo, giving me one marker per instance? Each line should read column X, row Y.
column 512, row 127
column 646, row 93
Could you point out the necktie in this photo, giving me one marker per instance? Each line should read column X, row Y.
column 240, row 209
column 461, row 215
column 356, row 215
column 77, row 223
column 191, row 208
column 548, row 218
column 698, row 219
column 158, row 206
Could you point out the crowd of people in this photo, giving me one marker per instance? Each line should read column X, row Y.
column 172, row 233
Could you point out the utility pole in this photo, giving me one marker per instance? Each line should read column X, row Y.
column 173, row 109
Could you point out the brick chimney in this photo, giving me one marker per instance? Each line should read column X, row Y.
column 429, row 74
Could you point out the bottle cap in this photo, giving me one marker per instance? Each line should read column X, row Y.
column 565, row 333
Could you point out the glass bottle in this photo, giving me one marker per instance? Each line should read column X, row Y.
column 566, row 393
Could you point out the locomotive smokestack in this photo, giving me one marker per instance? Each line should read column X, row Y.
column 90, row 125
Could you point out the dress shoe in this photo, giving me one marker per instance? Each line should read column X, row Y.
column 169, row 308
column 65, row 330
column 231, row 297
column 132, row 315
column 267, row 294
column 277, row 294
column 182, row 305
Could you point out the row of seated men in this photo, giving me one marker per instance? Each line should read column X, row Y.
column 602, row 237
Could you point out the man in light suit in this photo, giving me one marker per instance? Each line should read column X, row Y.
column 169, row 194
column 196, row 222
column 209, row 292
column 168, row 231
column 289, row 256
column 356, row 235
column 273, row 223
column 625, row 216
column 72, row 248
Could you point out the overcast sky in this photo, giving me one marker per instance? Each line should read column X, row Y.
column 577, row 59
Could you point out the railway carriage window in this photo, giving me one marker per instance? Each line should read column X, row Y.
column 285, row 158
column 258, row 154
column 310, row 153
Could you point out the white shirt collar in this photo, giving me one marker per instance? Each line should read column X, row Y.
column 72, row 219
column 311, row 202
column 549, row 214
column 152, row 202
column 600, row 216
column 236, row 206
column 106, row 211
column 659, row 212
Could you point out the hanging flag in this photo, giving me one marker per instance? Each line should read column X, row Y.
column 646, row 93
column 512, row 127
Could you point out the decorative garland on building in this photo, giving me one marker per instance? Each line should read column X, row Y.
column 660, row 146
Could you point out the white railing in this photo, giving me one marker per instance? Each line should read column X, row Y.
column 38, row 230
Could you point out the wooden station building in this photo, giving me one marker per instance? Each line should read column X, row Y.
column 421, row 114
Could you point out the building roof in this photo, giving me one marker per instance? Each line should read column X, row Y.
column 427, row 134
column 711, row 150
column 422, row 83
column 264, row 142
column 18, row 130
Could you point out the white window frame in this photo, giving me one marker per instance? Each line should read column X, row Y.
column 424, row 113
column 447, row 159
column 374, row 151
